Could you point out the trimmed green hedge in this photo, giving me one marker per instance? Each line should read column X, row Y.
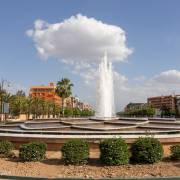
column 146, row 150
column 33, row 151
column 75, row 152
column 114, row 152
column 175, row 152
column 6, row 147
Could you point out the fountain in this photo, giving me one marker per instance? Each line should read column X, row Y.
column 104, row 125
column 105, row 94
column 105, row 91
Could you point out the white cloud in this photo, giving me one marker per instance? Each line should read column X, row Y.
column 29, row 32
column 168, row 77
column 79, row 39
column 140, row 78
column 165, row 83
column 80, row 43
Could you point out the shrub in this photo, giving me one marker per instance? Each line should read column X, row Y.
column 175, row 152
column 5, row 147
column 33, row 151
column 68, row 112
column 114, row 152
column 147, row 150
column 75, row 152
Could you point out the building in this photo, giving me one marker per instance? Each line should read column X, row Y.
column 134, row 106
column 45, row 92
column 86, row 106
column 71, row 102
column 178, row 103
column 162, row 101
column 48, row 93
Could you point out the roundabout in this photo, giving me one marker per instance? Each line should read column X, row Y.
column 121, row 125
column 57, row 131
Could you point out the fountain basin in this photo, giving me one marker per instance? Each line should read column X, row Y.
column 104, row 118
column 92, row 125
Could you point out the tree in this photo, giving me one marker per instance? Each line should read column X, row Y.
column 68, row 112
column 6, row 98
column 64, row 90
column 49, row 105
column 2, row 93
column 18, row 105
column 37, row 107
column 86, row 112
column 55, row 109
column 76, row 112
column 20, row 93
column 140, row 112
column 29, row 103
column 177, row 104
column 165, row 111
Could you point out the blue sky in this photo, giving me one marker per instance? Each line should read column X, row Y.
column 152, row 30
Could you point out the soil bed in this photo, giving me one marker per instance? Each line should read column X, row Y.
column 54, row 167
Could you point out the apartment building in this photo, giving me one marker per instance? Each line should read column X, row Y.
column 45, row 92
column 159, row 101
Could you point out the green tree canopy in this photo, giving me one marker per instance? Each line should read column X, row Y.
column 64, row 90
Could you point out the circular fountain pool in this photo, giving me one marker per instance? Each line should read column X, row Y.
column 56, row 131
column 94, row 126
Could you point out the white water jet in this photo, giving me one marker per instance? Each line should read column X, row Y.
column 105, row 90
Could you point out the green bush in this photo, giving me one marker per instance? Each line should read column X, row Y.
column 114, row 152
column 146, row 150
column 6, row 147
column 33, row 151
column 68, row 112
column 175, row 152
column 75, row 152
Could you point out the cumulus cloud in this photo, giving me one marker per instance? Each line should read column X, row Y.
column 81, row 42
column 79, row 39
column 140, row 78
column 168, row 77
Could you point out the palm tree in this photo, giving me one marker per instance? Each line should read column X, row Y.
column 37, row 107
column 7, row 97
column 64, row 90
column 48, row 108
column 20, row 93
column 18, row 105
column 29, row 103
